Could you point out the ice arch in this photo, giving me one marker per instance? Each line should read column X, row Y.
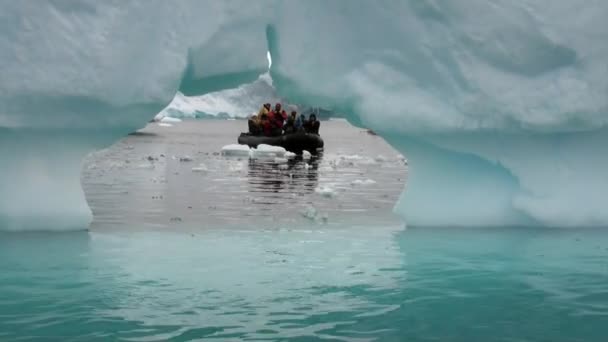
column 501, row 106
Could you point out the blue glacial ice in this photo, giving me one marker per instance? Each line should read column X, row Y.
column 500, row 106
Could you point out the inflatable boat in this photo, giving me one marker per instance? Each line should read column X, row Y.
column 294, row 142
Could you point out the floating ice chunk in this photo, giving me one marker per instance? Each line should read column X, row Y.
column 268, row 151
column 326, row 169
column 351, row 157
column 283, row 167
column 310, row 212
column 363, row 182
column 354, row 159
column 306, row 154
column 145, row 166
column 162, row 124
column 325, row 191
column 167, row 119
column 280, row 160
column 236, row 150
column 235, row 167
column 380, row 158
column 270, row 148
column 200, row 168
column 186, row 158
column 306, row 166
column 289, row 155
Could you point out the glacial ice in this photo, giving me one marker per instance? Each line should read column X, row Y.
column 325, row 191
column 239, row 102
column 236, row 150
column 264, row 151
column 500, row 107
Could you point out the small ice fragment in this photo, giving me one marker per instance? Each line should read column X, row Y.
column 145, row 166
column 185, row 158
column 270, row 148
column 279, row 160
column 162, row 124
column 200, row 168
column 306, row 166
column 289, row 155
column 236, row 150
column 380, row 158
column 283, row 167
column 267, row 151
column 363, row 182
column 236, row 167
column 306, row 154
column 325, row 191
column 167, row 119
column 310, row 212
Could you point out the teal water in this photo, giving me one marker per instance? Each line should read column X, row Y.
column 326, row 283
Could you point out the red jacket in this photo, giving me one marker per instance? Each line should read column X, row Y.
column 278, row 118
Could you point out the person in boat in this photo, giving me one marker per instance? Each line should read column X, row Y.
column 264, row 110
column 255, row 125
column 312, row 125
column 300, row 123
column 266, row 125
column 290, row 123
column 277, row 118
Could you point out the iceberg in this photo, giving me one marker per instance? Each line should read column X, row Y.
column 500, row 107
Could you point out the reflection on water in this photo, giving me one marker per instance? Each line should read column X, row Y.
column 175, row 176
column 322, row 283
column 297, row 176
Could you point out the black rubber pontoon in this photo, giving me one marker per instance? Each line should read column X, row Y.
column 294, row 142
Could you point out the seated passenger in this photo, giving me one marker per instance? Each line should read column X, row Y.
column 266, row 125
column 255, row 127
column 277, row 118
column 278, row 111
column 290, row 124
column 264, row 110
column 312, row 125
column 300, row 123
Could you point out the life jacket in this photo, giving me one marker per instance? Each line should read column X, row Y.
column 263, row 110
column 278, row 118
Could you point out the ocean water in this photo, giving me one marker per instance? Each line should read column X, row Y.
column 350, row 284
column 230, row 254
column 176, row 177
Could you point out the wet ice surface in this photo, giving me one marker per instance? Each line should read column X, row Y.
column 177, row 176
